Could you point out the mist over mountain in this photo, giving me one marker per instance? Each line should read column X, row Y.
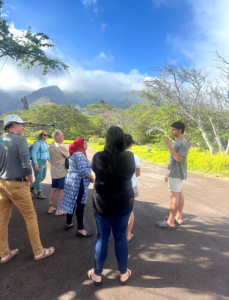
column 10, row 101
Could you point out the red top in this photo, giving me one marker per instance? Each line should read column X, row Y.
column 77, row 146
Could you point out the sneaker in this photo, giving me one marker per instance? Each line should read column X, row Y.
column 33, row 191
column 40, row 195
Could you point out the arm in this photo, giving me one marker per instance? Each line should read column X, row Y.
column 48, row 157
column 36, row 147
column 83, row 166
column 25, row 160
column 174, row 154
column 64, row 151
column 137, row 171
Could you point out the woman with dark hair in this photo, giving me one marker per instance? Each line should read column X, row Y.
column 76, row 186
column 113, row 199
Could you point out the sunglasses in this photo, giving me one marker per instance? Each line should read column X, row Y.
column 45, row 134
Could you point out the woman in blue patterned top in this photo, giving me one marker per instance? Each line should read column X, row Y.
column 76, row 185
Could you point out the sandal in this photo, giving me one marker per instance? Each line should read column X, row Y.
column 128, row 240
column 124, row 282
column 11, row 255
column 50, row 252
column 89, row 274
column 49, row 213
column 164, row 224
column 176, row 222
column 67, row 227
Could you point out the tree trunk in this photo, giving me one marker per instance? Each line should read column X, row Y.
column 200, row 126
column 217, row 137
column 227, row 149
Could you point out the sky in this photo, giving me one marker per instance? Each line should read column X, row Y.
column 113, row 45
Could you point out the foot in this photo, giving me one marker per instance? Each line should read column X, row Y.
column 40, row 195
column 45, row 253
column 68, row 226
column 33, row 191
column 97, row 279
column 51, row 209
column 129, row 237
column 8, row 257
column 83, row 233
column 125, row 277
column 164, row 224
column 60, row 213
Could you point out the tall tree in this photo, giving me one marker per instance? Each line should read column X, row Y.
column 27, row 49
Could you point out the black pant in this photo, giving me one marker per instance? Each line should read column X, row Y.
column 79, row 208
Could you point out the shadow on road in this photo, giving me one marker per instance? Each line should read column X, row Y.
column 194, row 257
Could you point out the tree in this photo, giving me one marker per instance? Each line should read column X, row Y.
column 199, row 99
column 27, row 49
column 25, row 103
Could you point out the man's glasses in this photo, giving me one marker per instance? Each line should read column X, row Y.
column 45, row 134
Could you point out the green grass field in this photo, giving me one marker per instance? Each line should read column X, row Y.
column 201, row 162
column 49, row 141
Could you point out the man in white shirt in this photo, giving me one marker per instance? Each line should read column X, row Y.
column 129, row 143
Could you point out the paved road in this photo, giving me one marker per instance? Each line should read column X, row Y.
column 191, row 262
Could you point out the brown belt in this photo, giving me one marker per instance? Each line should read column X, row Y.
column 18, row 179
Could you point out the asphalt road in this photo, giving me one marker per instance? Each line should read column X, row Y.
column 190, row 262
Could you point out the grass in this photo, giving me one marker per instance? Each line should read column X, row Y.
column 48, row 141
column 198, row 161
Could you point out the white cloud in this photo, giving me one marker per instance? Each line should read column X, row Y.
column 208, row 31
column 103, row 27
column 87, row 3
column 158, row 3
column 102, row 55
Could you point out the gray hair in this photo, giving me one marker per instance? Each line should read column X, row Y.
column 55, row 133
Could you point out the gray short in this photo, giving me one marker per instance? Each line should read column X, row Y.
column 136, row 193
column 175, row 184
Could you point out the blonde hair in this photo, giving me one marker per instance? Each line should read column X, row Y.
column 55, row 133
column 40, row 133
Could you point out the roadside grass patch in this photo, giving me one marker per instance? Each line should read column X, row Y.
column 48, row 141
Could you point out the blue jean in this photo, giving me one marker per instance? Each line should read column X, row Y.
column 119, row 226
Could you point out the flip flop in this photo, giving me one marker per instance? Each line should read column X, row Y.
column 176, row 222
column 124, row 282
column 89, row 274
column 49, row 213
column 44, row 255
column 11, row 255
column 164, row 224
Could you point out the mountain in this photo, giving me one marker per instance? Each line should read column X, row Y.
column 10, row 101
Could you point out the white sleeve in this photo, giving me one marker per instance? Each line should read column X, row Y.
column 137, row 161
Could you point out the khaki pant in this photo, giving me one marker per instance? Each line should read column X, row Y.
column 17, row 193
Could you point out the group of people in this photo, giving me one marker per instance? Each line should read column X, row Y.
column 116, row 170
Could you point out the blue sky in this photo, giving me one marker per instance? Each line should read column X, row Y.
column 112, row 44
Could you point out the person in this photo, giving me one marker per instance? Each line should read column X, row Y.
column 58, row 154
column 129, row 143
column 40, row 156
column 177, row 172
column 15, row 179
column 113, row 199
column 76, row 186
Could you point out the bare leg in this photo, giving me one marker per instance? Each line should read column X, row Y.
column 59, row 198
column 180, row 207
column 130, row 226
column 173, row 207
column 51, row 199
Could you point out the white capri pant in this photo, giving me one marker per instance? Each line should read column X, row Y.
column 175, row 184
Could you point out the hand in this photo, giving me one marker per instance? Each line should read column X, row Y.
column 36, row 167
column 166, row 178
column 167, row 142
column 92, row 179
column 29, row 179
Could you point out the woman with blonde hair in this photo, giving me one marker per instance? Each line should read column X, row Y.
column 40, row 155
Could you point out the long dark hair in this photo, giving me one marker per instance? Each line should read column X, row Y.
column 115, row 144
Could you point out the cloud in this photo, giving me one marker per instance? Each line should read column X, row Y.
column 102, row 55
column 158, row 3
column 88, row 3
column 103, row 27
column 206, row 32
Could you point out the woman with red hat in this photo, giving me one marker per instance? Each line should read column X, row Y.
column 76, row 186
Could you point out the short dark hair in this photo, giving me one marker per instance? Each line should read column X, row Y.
column 9, row 126
column 128, row 139
column 179, row 125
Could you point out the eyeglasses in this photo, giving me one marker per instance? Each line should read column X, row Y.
column 45, row 134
